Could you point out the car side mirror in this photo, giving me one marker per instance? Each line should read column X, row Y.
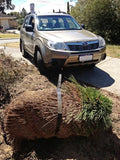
column 29, row 28
column 83, row 26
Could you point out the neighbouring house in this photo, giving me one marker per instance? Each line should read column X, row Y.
column 7, row 21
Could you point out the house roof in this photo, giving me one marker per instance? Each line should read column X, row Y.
column 6, row 16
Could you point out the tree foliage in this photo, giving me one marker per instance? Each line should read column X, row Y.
column 19, row 15
column 6, row 4
column 100, row 16
column 23, row 13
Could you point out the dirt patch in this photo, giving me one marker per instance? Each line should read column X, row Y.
column 105, row 146
column 115, row 116
column 4, row 95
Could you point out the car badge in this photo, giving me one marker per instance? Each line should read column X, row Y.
column 84, row 43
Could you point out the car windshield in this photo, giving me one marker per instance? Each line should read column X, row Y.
column 57, row 22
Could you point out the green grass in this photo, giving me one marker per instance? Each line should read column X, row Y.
column 2, row 35
column 96, row 110
column 113, row 51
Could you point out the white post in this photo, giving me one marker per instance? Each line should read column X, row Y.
column 32, row 7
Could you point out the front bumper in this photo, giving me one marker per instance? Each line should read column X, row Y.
column 70, row 58
column 96, row 58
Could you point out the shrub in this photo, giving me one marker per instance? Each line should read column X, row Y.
column 18, row 28
column 11, row 71
column 96, row 110
column 2, row 30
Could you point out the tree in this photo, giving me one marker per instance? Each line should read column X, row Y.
column 6, row 4
column 16, row 14
column 20, row 16
column 79, row 11
column 100, row 16
column 23, row 13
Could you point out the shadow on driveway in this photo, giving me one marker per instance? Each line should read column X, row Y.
column 94, row 77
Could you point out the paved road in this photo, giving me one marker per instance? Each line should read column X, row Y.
column 105, row 75
column 2, row 41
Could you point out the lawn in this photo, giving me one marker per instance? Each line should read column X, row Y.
column 2, row 35
column 113, row 51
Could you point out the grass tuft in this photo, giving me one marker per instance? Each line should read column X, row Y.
column 9, row 35
column 96, row 110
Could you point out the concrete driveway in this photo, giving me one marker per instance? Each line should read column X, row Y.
column 106, row 74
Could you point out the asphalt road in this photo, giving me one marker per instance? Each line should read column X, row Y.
column 2, row 41
column 106, row 74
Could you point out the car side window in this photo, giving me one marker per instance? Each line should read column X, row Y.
column 26, row 21
column 32, row 21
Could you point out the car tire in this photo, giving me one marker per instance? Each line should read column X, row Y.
column 20, row 45
column 24, row 53
column 40, row 62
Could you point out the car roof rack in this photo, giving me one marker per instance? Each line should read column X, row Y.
column 61, row 12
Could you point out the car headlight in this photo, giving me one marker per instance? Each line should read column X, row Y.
column 57, row 45
column 101, row 42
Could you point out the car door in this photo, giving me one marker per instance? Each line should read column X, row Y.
column 31, row 36
column 24, row 33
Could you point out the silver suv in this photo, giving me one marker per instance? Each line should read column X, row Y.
column 57, row 39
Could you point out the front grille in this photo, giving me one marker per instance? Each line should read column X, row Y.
column 83, row 46
column 90, row 51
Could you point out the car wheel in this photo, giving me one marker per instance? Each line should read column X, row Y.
column 40, row 62
column 20, row 45
column 24, row 53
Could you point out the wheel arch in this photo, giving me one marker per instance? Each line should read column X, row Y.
column 35, row 53
column 39, row 46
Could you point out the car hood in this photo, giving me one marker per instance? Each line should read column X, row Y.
column 69, row 35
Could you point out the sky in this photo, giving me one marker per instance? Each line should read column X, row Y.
column 42, row 5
